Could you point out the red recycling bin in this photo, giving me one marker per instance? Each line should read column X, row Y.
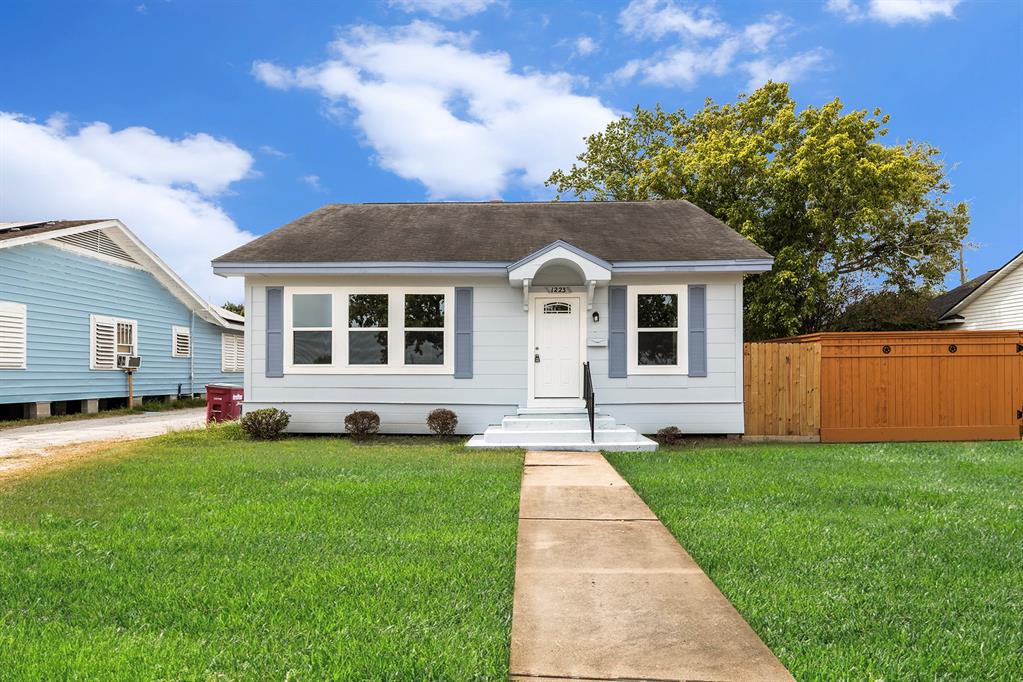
column 223, row 402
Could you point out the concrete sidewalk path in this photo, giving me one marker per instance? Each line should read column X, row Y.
column 604, row 592
column 42, row 438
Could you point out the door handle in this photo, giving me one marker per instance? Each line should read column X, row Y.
column 536, row 357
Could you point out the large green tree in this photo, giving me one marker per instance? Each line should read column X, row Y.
column 841, row 212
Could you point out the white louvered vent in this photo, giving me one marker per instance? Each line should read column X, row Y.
column 181, row 342
column 13, row 335
column 98, row 242
column 232, row 353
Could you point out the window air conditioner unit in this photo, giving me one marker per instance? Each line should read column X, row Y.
column 129, row 361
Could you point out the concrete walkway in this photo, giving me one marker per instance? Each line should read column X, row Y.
column 39, row 439
column 604, row 592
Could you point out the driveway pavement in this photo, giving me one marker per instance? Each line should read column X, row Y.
column 17, row 443
column 603, row 591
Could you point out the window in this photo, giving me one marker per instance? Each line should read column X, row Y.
column 312, row 339
column 232, row 353
column 13, row 335
column 181, row 342
column 110, row 337
column 657, row 322
column 424, row 329
column 557, row 308
column 367, row 329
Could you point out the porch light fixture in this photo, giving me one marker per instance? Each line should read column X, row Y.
column 596, row 316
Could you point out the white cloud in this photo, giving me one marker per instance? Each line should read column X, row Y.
column 160, row 188
column 894, row 11
column 463, row 123
column 718, row 55
column 586, row 45
column 270, row 150
column 657, row 18
column 448, row 9
column 313, row 181
column 789, row 69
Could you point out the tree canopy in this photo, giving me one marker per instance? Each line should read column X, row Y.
column 841, row 212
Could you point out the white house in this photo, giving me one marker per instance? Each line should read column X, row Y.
column 993, row 301
column 500, row 312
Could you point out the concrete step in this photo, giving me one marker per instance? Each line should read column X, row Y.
column 644, row 444
column 552, row 410
column 559, row 422
column 618, row 434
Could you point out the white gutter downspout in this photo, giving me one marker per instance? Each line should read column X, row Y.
column 191, row 356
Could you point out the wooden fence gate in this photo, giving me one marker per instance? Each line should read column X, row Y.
column 879, row 386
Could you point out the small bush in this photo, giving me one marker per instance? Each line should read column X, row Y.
column 669, row 435
column 442, row 422
column 362, row 424
column 267, row 423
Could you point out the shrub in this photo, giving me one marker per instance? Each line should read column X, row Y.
column 442, row 422
column 362, row 423
column 267, row 423
column 669, row 435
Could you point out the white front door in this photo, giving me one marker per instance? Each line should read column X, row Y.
column 556, row 362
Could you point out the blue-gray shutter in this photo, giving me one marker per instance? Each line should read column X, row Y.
column 617, row 333
column 275, row 331
column 463, row 332
column 697, row 330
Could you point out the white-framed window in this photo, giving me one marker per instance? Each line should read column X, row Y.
column 181, row 342
column 368, row 330
column 13, row 335
column 110, row 337
column 232, row 352
column 657, row 329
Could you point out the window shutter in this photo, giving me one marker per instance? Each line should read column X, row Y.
column 697, row 330
column 275, row 331
column 104, row 343
column 181, row 344
column 232, row 353
column 463, row 332
column 13, row 333
column 618, row 335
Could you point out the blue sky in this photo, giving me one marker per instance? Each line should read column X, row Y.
column 204, row 123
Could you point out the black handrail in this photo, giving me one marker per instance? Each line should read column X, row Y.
column 590, row 397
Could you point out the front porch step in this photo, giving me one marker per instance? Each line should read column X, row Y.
column 643, row 444
column 556, row 422
column 618, row 434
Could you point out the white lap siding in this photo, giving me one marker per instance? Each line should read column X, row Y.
column 319, row 402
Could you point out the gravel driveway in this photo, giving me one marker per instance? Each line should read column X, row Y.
column 39, row 439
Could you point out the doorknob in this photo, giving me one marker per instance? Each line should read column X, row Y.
column 536, row 357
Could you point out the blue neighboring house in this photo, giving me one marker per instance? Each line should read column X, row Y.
column 80, row 297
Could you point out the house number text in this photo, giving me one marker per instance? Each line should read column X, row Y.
column 557, row 290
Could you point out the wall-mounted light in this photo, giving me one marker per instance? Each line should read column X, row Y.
column 596, row 316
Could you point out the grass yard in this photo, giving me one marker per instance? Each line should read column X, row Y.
column 857, row 562
column 202, row 556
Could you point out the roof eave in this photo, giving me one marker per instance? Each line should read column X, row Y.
column 241, row 269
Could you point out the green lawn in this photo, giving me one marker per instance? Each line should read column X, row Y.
column 861, row 562
column 200, row 556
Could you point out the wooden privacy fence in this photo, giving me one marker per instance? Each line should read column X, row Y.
column 877, row 386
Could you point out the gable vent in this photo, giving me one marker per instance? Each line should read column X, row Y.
column 98, row 242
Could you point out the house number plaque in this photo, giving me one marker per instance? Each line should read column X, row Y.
column 558, row 290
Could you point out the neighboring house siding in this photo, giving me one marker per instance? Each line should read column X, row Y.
column 997, row 307
column 61, row 289
column 318, row 402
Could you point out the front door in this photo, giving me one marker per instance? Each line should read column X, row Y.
column 556, row 362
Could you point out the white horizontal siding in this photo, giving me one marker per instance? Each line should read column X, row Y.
column 998, row 307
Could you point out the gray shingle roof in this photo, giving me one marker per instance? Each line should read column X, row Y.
column 941, row 304
column 24, row 229
column 498, row 232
